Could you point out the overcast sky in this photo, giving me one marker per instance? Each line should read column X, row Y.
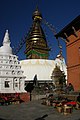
column 16, row 16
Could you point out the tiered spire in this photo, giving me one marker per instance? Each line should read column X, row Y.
column 6, row 49
column 6, row 38
column 36, row 44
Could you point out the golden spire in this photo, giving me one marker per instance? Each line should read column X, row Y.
column 36, row 44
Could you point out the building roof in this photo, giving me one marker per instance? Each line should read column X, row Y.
column 69, row 28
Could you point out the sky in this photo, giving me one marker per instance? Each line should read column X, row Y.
column 16, row 16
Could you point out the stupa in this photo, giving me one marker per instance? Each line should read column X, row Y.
column 37, row 54
column 11, row 75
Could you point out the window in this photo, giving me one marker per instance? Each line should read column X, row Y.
column 13, row 72
column 18, row 72
column 14, row 57
column 20, row 78
column 7, row 84
column 11, row 66
column 16, row 84
column 6, row 73
column 9, row 57
column 1, row 61
column 15, row 79
column 10, row 61
column 16, row 67
column 6, row 61
column 15, row 62
column 6, row 66
column 0, row 66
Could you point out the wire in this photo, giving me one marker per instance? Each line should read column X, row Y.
column 50, row 26
column 53, row 29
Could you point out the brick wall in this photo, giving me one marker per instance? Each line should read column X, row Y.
column 73, row 60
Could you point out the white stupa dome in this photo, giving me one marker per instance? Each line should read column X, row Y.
column 41, row 67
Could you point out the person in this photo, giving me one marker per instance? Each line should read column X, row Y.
column 78, row 98
column 78, row 102
column 70, row 88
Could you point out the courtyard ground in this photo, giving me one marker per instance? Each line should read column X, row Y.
column 34, row 110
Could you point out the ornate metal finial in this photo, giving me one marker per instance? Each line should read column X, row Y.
column 37, row 15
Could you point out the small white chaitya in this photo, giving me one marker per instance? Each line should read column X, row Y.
column 60, row 61
column 11, row 75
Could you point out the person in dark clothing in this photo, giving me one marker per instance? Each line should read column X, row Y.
column 70, row 88
column 78, row 98
column 78, row 102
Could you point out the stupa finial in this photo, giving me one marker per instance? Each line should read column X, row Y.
column 36, row 14
column 6, row 38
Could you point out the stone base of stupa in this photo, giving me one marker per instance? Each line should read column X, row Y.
column 25, row 97
column 21, row 97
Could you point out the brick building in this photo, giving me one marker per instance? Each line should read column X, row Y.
column 71, row 35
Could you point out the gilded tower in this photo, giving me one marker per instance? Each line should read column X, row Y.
column 36, row 44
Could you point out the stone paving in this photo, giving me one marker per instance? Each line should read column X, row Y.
column 34, row 110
